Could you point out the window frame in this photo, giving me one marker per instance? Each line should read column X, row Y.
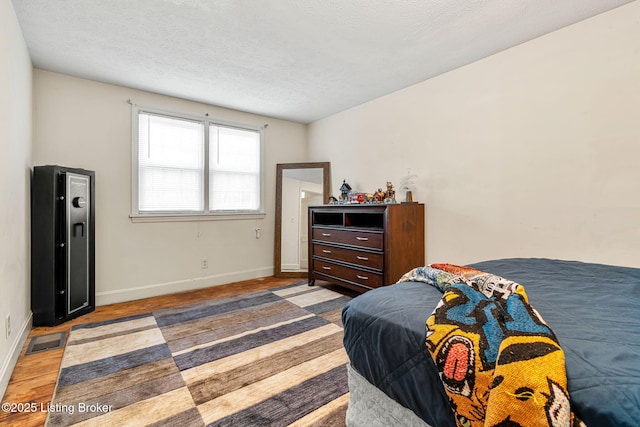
column 206, row 214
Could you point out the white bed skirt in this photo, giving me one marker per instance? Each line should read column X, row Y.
column 370, row 407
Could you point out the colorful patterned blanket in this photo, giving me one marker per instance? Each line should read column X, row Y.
column 500, row 363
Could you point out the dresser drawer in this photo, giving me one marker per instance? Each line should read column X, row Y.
column 360, row 238
column 361, row 277
column 352, row 256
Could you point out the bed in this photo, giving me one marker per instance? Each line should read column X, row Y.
column 593, row 309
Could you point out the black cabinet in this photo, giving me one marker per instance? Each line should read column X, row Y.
column 62, row 244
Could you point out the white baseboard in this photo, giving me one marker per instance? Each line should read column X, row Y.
column 290, row 267
column 147, row 291
column 14, row 353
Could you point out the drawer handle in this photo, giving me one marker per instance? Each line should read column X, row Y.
column 324, row 267
column 326, row 251
column 326, row 234
column 362, row 258
column 363, row 239
column 362, row 277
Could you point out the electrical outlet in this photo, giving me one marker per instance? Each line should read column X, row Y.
column 7, row 326
column 204, row 263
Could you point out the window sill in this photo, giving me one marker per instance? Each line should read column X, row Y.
column 195, row 217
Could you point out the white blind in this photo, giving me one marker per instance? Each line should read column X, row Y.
column 170, row 164
column 234, row 168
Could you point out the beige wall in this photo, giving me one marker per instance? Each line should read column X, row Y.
column 15, row 163
column 81, row 123
column 532, row 152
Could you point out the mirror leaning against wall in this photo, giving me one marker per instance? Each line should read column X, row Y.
column 298, row 186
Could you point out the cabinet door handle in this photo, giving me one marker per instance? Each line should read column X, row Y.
column 362, row 277
column 81, row 225
column 363, row 239
column 362, row 258
column 326, row 234
column 324, row 267
column 326, row 251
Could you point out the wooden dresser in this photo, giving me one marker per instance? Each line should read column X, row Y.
column 365, row 246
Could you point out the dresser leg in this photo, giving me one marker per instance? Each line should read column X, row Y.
column 312, row 282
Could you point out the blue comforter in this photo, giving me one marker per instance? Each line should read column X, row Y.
column 593, row 309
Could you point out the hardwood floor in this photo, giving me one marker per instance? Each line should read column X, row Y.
column 34, row 377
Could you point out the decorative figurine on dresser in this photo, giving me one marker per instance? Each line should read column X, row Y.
column 365, row 246
column 390, row 195
column 345, row 190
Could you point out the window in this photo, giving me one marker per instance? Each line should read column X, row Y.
column 185, row 166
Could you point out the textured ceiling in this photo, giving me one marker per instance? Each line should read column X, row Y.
column 299, row 60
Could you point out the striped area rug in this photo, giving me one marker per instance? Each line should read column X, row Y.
column 271, row 357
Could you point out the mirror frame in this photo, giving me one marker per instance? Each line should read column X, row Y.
column 326, row 192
